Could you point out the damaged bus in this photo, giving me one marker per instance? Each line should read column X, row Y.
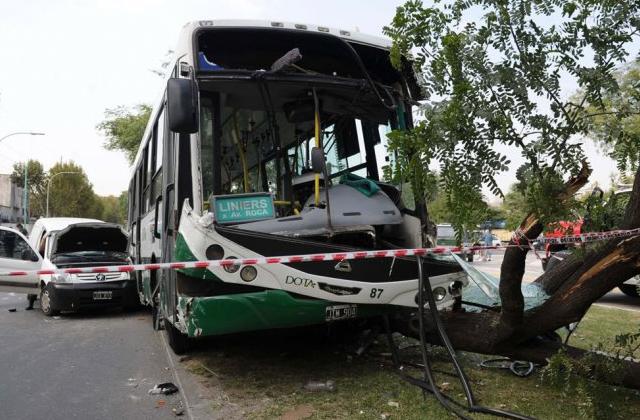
column 269, row 139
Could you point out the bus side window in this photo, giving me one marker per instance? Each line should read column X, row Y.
column 144, row 171
column 157, row 161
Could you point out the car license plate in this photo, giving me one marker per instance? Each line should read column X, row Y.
column 337, row 312
column 102, row 295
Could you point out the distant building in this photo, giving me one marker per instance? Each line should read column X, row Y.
column 10, row 200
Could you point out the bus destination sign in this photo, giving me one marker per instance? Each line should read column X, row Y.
column 242, row 208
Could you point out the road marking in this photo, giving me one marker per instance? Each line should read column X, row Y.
column 187, row 405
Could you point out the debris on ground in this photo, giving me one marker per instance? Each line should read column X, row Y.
column 178, row 410
column 12, row 309
column 320, row 386
column 445, row 386
column 166, row 388
column 385, row 416
column 393, row 404
column 161, row 403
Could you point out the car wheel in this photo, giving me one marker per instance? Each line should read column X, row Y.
column 630, row 290
column 180, row 343
column 47, row 301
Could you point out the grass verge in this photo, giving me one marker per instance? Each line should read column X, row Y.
column 263, row 376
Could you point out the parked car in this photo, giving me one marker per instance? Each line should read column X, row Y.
column 70, row 243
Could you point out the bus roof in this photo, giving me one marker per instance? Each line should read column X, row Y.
column 186, row 37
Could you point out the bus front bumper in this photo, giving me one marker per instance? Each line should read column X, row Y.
column 269, row 309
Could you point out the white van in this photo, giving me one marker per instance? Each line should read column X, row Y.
column 74, row 242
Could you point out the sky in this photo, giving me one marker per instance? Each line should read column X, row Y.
column 66, row 61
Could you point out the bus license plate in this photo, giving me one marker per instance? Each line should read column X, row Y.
column 337, row 312
column 102, row 295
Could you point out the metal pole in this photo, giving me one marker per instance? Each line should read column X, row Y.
column 25, row 194
column 49, row 185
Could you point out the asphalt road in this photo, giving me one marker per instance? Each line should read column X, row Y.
column 97, row 365
column 533, row 269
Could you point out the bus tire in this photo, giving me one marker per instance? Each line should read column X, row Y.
column 630, row 290
column 180, row 343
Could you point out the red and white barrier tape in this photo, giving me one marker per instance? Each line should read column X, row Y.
column 336, row 256
column 590, row 237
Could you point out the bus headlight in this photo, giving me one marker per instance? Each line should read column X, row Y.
column 231, row 268
column 248, row 273
column 439, row 293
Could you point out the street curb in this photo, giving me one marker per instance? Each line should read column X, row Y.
column 194, row 411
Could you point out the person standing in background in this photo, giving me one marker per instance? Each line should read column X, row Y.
column 488, row 241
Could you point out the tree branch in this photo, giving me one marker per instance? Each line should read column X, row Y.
column 512, row 268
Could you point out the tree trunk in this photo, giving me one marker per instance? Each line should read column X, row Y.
column 573, row 286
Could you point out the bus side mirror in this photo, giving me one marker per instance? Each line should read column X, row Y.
column 318, row 163
column 182, row 109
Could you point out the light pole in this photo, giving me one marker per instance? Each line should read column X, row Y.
column 25, row 193
column 49, row 185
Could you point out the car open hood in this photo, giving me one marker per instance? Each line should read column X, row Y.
column 90, row 237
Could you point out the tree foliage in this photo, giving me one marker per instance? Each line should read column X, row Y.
column 114, row 208
column 497, row 80
column 514, row 208
column 37, row 181
column 72, row 195
column 124, row 128
column 614, row 121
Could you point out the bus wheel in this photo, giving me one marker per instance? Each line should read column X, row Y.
column 156, row 318
column 180, row 343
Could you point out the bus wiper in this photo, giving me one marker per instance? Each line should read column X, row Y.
column 286, row 60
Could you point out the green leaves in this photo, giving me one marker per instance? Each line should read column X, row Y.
column 499, row 80
column 124, row 128
column 613, row 118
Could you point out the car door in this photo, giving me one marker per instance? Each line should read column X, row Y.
column 17, row 255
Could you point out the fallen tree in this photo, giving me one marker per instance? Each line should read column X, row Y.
column 496, row 81
column 572, row 285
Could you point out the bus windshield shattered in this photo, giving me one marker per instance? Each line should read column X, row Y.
column 266, row 123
